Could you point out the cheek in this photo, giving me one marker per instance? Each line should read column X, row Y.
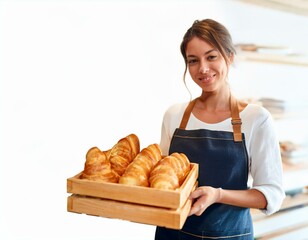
column 192, row 70
column 223, row 69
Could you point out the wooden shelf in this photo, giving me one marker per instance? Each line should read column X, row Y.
column 291, row 115
column 299, row 7
column 295, row 176
column 281, row 223
column 292, row 219
column 296, row 60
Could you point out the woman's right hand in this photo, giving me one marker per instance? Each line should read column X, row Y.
column 203, row 197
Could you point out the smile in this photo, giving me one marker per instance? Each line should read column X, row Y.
column 206, row 79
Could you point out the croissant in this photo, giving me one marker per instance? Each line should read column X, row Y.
column 97, row 167
column 123, row 153
column 138, row 171
column 170, row 172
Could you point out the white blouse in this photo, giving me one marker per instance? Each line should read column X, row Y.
column 265, row 166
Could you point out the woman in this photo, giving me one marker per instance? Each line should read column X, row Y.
column 229, row 139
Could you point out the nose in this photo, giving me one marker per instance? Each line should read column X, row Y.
column 204, row 68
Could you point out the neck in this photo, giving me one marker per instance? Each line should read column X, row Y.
column 215, row 101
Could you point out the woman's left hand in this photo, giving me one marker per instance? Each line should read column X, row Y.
column 204, row 196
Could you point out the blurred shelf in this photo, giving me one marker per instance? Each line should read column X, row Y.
column 295, row 176
column 299, row 233
column 292, row 219
column 291, row 115
column 282, row 223
column 297, row 60
column 291, row 222
column 299, row 7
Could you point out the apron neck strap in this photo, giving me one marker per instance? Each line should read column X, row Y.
column 187, row 113
column 235, row 120
column 235, row 117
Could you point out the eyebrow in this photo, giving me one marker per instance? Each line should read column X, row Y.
column 203, row 54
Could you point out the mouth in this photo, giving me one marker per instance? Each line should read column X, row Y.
column 206, row 78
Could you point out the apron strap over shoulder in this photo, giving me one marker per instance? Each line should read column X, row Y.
column 187, row 113
column 235, row 120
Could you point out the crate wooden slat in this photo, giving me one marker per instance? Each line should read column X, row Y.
column 171, row 218
column 135, row 194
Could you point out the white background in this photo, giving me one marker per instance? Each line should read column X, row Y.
column 77, row 74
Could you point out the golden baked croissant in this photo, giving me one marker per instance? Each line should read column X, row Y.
column 97, row 167
column 138, row 171
column 124, row 152
column 170, row 172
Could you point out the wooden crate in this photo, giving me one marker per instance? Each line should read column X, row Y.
column 173, row 199
column 157, row 216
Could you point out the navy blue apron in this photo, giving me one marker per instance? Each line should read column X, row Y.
column 223, row 163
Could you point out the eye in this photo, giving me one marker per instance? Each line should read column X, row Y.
column 192, row 61
column 212, row 57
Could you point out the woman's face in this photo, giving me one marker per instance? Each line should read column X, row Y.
column 206, row 65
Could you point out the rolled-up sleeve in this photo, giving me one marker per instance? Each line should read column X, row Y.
column 266, row 165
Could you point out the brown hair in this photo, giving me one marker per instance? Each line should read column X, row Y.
column 212, row 32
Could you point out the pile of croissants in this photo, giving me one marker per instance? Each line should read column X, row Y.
column 125, row 164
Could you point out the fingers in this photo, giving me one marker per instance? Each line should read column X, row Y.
column 196, row 194
column 204, row 196
column 198, row 207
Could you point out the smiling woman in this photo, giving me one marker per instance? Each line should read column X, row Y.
column 216, row 130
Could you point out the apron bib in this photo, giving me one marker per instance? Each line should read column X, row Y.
column 223, row 163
